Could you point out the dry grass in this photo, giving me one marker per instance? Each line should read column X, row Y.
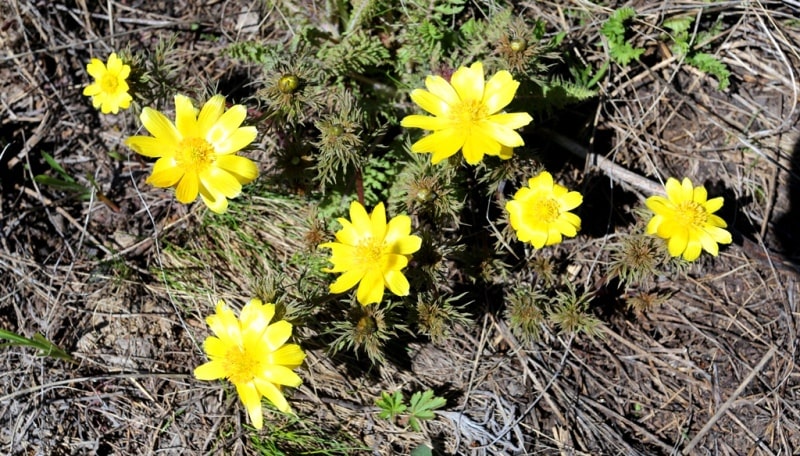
column 711, row 371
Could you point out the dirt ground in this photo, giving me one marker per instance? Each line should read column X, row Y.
column 711, row 370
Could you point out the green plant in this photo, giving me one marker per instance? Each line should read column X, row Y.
column 391, row 405
column 619, row 48
column 420, row 407
column 64, row 181
column 689, row 46
column 38, row 341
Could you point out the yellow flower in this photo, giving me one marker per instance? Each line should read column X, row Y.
column 109, row 91
column 466, row 115
column 197, row 154
column 540, row 212
column 686, row 219
column 253, row 354
column 372, row 252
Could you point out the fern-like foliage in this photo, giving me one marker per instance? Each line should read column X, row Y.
column 357, row 53
column 619, row 48
column 690, row 46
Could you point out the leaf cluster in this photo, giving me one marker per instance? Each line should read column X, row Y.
column 614, row 29
column 691, row 46
column 420, row 407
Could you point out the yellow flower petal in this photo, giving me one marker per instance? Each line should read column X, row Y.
column 273, row 394
column 397, row 283
column 699, row 194
column 677, row 243
column 210, row 113
column 280, row 375
column 693, row 249
column 290, row 355
column 255, row 317
column 236, row 141
column 715, row 204
column 185, row 117
column 160, row 127
column 430, row 103
column 212, row 370
column 277, row 334
column 251, row 399
column 215, row 347
column 708, row 244
column 511, row 121
column 242, row 168
column 370, row 289
column 719, row 235
column 468, row 82
column 441, row 89
column 426, row 122
column 96, row 68
column 500, row 90
column 215, row 201
column 674, row 190
column 346, row 281
column 92, row 90
column 147, row 146
column 476, row 145
column 166, row 173
column 114, row 63
column 443, row 144
column 188, row 187
column 392, row 262
column 378, row 221
column 218, row 181
column 225, row 126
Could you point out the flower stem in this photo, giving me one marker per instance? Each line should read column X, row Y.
column 360, row 186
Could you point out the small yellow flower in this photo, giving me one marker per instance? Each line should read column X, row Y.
column 686, row 219
column 109, row 91
column 540, row 212
column 372, row 252
column 466, row 115
column 253, row 354
column 197, row 154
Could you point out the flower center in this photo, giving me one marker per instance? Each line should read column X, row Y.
column 369, row 252
column 469, row 111
column 690, row 213
column 545, row 209
column 241, row 366
column 195, row 153
column 109, row 83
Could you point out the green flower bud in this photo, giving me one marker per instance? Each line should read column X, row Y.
column 288, row 83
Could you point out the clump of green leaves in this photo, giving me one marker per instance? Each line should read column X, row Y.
column 691, row 45
column 570, row 312
column 367, row 329
column 643, row 301
column 437, row 316
column 429, row 190
column 525, row 313
column 637, row 259
column 619, row 48
column 420, row 407
column 341, row 139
